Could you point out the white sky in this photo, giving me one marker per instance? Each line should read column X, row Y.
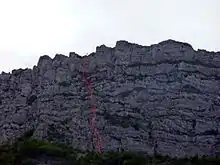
column 32, row 28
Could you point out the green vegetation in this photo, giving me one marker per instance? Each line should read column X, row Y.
column 27, row 151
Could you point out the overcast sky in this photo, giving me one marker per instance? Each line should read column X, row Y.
column 32, row 28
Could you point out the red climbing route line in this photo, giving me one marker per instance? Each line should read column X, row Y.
column 92, row 124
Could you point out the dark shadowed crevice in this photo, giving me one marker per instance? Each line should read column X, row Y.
column 31, row 99
column 211, row 132
column 190, row 89
column 64, row 84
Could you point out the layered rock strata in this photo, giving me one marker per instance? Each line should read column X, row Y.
column 163, row 99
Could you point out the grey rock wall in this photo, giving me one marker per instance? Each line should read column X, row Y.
column 163, row 98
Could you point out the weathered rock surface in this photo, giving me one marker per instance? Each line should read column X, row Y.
column 163, row 98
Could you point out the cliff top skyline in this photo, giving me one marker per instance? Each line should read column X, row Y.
column 123, row 44
column 30, row 29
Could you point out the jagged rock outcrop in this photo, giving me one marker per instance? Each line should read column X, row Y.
column 163, row 99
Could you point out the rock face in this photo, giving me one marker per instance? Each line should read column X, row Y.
column 163, row 99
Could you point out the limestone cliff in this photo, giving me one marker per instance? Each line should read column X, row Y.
column 163, row 98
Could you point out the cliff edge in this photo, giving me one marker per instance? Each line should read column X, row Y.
column 163, row 99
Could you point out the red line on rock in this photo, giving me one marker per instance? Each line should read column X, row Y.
column 92, row 124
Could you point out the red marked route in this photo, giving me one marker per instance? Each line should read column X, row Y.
column 92, row 122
